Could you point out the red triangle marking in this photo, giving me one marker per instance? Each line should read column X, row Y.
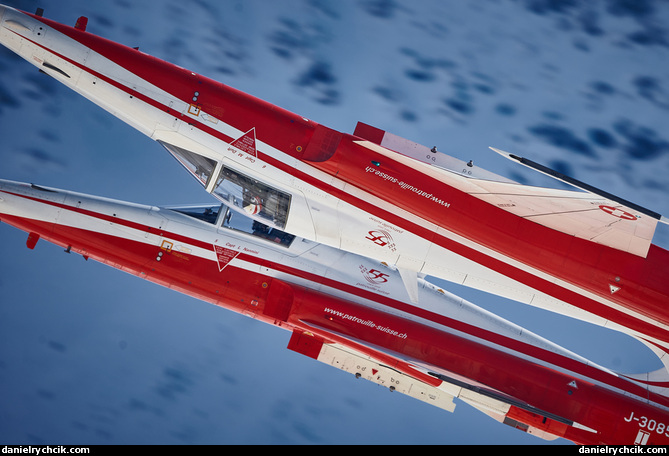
column 224, row 256
column 247, row 142
column 374, row 371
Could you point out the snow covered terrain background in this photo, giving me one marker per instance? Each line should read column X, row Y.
column 89, row 355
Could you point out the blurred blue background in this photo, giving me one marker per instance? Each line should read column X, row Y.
column 89, row 355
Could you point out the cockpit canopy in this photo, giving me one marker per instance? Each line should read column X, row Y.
column 222, row 216
column 238, row 191
column 206, row 213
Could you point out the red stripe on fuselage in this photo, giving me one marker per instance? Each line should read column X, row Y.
column 135, row 257
column 523, row 380
column 544, row 388
column 587, row 265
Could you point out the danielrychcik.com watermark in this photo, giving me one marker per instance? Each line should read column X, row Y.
column 43, row 449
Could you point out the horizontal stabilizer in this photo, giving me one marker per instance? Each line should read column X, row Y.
column 581, row 185
column 592, row 214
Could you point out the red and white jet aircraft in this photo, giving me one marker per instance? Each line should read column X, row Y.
column 343, row 310
column 584, row 254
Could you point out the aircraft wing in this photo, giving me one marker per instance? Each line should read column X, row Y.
column 584, row 215
column 591, row 214
column 423, row 383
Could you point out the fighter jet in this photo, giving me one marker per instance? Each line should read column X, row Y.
column 583, row 252
column 347, row 311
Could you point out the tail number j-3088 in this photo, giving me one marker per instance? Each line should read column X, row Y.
column 649, row 424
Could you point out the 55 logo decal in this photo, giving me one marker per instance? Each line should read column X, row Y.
column 382, row 238
column 373, row 276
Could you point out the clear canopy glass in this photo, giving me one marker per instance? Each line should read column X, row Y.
column 256, row 198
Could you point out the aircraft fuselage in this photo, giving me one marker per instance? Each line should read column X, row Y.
column 343, row 309
column 348, row 192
